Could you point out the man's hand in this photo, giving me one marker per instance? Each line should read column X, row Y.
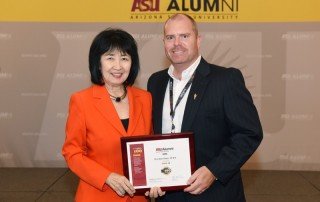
column 120, row 184
column 155, row 192
column 200, row 181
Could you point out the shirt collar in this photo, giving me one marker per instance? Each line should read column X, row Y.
column 187, row 73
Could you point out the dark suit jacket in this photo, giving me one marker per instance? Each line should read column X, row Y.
column 225, row 123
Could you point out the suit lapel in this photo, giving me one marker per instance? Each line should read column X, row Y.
column 106, row 108
column 158, row 96
column 195, row 96
column 135, row 110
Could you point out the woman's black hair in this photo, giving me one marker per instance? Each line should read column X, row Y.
column 108, row 40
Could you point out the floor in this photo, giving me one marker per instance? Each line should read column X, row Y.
column 59, row 184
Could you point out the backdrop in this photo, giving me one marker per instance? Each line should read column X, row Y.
column 44, row 58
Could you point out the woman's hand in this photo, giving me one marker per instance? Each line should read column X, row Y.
column 155, row 192
column 120, row 184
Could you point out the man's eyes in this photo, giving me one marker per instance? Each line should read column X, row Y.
column 181, row 36
column 170, row 37
column 185, row 36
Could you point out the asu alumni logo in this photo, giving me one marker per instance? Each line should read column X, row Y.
column 202, row 10
column 145, row 5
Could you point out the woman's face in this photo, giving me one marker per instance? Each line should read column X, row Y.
column 115, row 67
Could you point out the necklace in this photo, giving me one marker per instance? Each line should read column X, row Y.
column 118, row 99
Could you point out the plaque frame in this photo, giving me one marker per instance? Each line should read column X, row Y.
column 146, row 138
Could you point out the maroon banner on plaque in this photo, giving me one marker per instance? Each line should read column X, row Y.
column 138, row 165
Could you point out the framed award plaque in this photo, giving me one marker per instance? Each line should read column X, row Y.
column 164, row 160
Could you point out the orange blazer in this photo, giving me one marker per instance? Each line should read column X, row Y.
column 92, row 146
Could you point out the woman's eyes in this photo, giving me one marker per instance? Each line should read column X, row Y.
column 124, row 58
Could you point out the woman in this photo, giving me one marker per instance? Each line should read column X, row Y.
column 99, row 115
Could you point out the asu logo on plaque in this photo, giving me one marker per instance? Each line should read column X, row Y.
column 137, row 151
column 166, row 170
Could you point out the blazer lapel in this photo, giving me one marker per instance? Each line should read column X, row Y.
column 135, row 110
column 106, row 108
column 158, row 97
column 196, row 93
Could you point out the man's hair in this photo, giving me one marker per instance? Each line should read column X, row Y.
column 177, row 15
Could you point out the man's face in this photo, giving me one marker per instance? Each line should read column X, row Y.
column 180, row 42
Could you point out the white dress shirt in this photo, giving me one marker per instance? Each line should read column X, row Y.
column 178, row 85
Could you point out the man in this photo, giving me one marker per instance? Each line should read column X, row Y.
column 211, row 101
